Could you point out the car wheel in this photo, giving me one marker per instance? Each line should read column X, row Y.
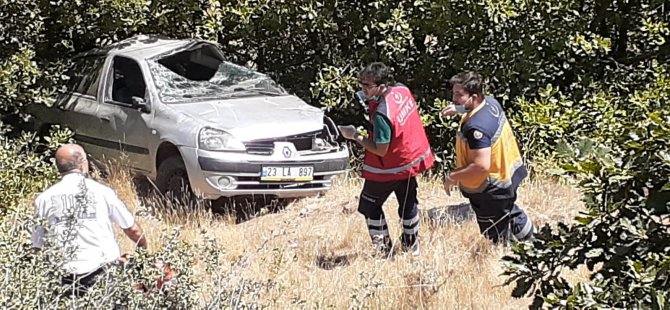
column 172, row 179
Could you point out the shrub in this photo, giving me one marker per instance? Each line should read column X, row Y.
column 24, row 170
column 623, row 237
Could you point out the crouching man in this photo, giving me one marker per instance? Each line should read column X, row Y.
column 489, row 163
column 79, row 212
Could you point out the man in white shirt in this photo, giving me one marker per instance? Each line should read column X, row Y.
column 79, row 213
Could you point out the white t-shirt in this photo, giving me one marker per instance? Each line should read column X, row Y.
column 92, row 237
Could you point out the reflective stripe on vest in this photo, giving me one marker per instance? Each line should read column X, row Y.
column 496, row 136
column 495, row 182
column 398, row 169
column 501, row 126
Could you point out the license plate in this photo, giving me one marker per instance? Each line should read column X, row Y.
column 278, row 173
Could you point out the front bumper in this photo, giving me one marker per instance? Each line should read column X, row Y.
column 242, row 172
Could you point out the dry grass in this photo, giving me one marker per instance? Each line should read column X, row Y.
column 317, row 250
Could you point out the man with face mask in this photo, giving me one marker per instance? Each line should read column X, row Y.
column 489, row 163
column 396, row 151
column 79, row 213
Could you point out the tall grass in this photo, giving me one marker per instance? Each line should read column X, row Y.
column 315, row 252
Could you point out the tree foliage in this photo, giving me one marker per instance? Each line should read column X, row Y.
column 315, row 48
column 623, row 238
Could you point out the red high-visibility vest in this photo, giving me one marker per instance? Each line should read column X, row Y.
column 409, row 152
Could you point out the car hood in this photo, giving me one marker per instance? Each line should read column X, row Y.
column 253, row 118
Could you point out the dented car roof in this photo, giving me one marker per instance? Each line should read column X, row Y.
column 143, row 47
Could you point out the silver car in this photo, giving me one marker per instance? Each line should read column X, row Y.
column 179, row 114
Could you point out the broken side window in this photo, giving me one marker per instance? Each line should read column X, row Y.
column 127, row 81
column 201, row 74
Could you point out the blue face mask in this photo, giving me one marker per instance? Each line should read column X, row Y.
column 363, row 99
column 461, row 109
column 360, row 95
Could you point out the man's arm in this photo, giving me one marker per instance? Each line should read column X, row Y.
column 119, row 214
column 37, row 238
column 382, row 133
column 479, row 154
column 481, row 163
column 375, row 148
column 136, row 234
column 37, row 235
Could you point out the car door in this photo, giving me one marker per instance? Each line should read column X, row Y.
column 77, row 109
column 123, row 123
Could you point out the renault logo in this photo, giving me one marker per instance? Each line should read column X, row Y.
column 287, row 152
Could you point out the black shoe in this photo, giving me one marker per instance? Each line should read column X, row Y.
column 414, row 249
column 410, row 244
column 383, row 247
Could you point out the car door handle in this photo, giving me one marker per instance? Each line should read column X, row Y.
column 105, row 118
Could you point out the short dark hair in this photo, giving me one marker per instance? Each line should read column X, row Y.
column 377, row 72
column 470, row 81
column 74, row 162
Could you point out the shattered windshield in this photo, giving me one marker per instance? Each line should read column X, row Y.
column 196, row 75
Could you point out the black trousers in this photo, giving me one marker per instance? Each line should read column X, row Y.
column 372, row 199
column 79, row 284
column 501, row 220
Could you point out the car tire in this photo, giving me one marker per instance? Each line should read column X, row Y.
column 172, row 179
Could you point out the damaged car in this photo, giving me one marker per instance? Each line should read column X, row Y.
column 177, row 112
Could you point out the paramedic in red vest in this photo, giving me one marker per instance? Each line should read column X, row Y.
column 489, row 163
column 396, row 151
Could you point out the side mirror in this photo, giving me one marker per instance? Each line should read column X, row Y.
column 140, row 104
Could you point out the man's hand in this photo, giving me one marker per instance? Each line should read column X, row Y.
column 125, row 258
column 450, row 110
column 449, row 183
column 348, row 132
column 136, row 234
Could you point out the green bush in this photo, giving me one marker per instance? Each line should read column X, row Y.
column 32, row 280
column 623, row 168
column 315, row 47
column 24, row 170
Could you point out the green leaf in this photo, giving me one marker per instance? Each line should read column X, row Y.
column 522, row 287
column 556, row 171
column 658, row 300
column 593, row 253
column 584, row 220
column 656, row 117
column 563, row 149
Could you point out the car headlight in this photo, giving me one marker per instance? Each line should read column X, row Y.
column 218, row 140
